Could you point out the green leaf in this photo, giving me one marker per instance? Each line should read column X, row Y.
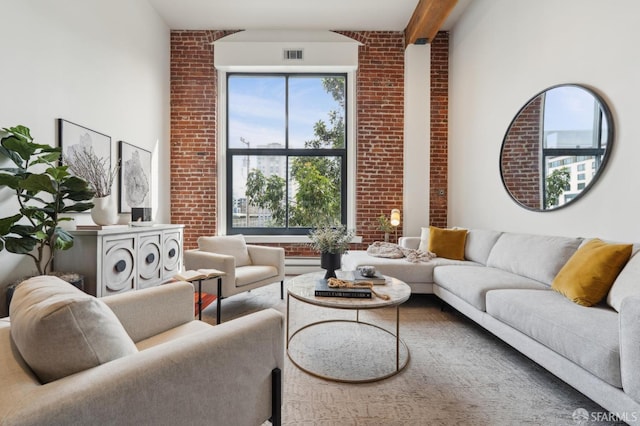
column 77, row 207
column 47, row 158
column 24, row 230
column 20, row 145
column 11, row 181
column 80, row 195
column 37, row 183
column 7, row 222
column 21, row 130
column 20, row 245
column 74, row 183
column 34, row 212
column 14, row 171
column 13, row 156
column 58, row 173
column 64, row 240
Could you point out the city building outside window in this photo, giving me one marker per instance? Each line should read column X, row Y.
column 286, row 152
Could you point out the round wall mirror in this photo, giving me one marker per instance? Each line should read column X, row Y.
column 556, row 147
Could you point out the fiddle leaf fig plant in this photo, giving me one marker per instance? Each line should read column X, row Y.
column 44, row 190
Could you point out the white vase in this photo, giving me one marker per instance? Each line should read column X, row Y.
column 105, row 210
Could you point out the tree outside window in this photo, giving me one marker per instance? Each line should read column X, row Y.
column 286, row 152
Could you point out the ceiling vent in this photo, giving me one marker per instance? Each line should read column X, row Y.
column 293, row 55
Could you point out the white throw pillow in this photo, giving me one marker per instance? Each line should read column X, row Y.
column 424, row 239
column 59, row 330
column 231, row 245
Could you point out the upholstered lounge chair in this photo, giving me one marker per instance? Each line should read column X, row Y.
column 67, row 358
column 246, row 266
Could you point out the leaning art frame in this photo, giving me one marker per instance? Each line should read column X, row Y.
column 135, row 177
column 72, row 135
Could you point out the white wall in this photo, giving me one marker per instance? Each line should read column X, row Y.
column 502, row 53
column 104, row 65
column 417, row 103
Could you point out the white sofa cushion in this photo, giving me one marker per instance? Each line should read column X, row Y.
column 231, row 245
column 402, row 269
column 253, row 273
column 538, row 257
column 626, row 284
column 471, row 283
column 479, row 244
column 588, row 336
column 59, row 330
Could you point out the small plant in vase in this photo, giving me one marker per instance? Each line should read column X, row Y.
column 83, row 162
column 384, row 225
column 331, row 242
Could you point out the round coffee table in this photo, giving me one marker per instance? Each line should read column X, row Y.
column 347, row 350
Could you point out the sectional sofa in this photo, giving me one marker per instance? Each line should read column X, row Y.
column 504, row 284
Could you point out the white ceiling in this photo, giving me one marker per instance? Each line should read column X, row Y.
column 354, row 15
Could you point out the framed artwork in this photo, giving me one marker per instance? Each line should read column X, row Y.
column 135, row 177
column 72, row 136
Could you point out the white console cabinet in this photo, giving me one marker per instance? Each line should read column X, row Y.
column 123, row 259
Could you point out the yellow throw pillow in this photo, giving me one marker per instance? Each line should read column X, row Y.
column 589, row 274
column 447, row 243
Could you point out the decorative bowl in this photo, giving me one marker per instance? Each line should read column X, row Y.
column 367, row 271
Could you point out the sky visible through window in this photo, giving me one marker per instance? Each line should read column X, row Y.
column 257, row 109
column 568, row 108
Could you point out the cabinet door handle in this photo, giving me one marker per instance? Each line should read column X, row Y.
column 150, row 258
column 120, row 266
column 172, row 252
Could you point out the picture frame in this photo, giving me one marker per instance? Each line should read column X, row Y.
column 135, row 177
column 72, row 135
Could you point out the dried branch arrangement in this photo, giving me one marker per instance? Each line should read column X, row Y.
column 84, row 163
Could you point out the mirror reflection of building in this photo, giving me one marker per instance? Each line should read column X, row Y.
column 556, row 147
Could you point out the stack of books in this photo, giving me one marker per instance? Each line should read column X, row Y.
column 99, row 227
column 323, row 290
column 377, row 279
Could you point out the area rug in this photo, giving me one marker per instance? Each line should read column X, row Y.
column 458, row 373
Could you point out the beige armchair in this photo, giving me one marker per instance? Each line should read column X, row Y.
column 178, row 371
column 246, row 266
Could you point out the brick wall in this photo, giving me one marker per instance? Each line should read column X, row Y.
column 439, row 130
column 380, row 129
column 193, row 133
column 380, row 124
column 520, row 158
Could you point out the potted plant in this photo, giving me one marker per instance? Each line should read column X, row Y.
column 83, row 162
column 331, row 242
column 44, row 191
column 384, row 225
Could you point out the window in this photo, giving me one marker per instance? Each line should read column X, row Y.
column 286, row 152
column 574, row 135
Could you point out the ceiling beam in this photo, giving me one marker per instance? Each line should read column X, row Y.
column 426, row 20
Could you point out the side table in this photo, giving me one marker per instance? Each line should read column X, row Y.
column 199, row 276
